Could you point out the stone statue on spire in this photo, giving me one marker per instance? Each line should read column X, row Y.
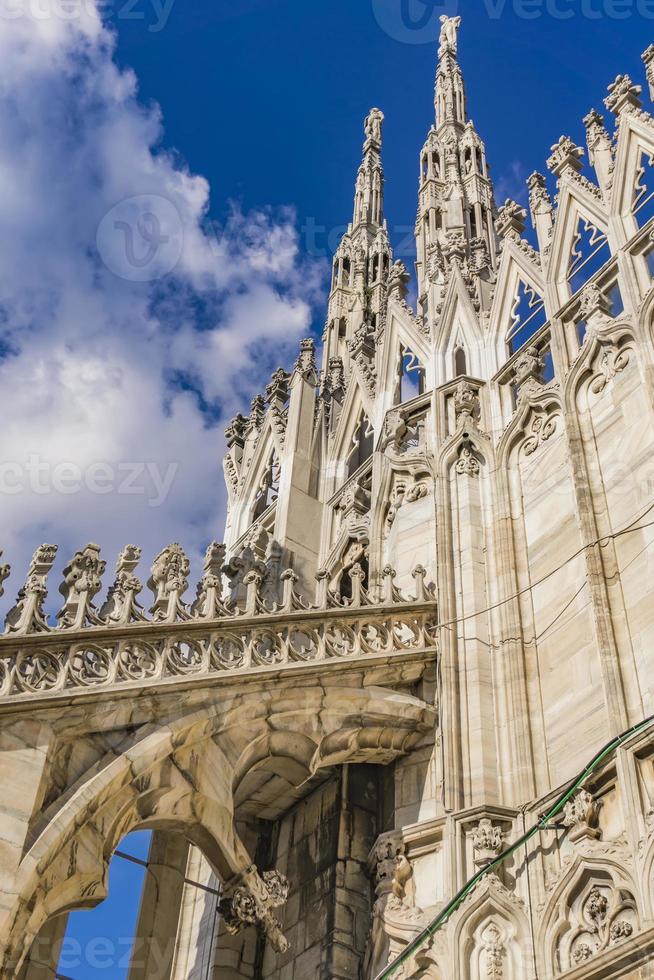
column 449, row 35
column 373, row 125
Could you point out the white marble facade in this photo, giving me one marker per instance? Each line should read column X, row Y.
column 434, row 603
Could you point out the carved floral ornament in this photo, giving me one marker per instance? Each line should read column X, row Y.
column 467, row 463
column 543, row 426
column 602, row 917
column 252, row 904
column 488, row 841
column 612, row 361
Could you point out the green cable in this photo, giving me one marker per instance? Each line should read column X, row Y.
column 463, row 893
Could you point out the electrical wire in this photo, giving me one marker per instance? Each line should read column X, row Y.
column 542, row 824
column 602, row 542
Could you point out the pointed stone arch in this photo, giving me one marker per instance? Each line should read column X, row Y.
column 635, row 150
column 491, row 933
column 578, row 208
column 592, row 906
column 401, row 332
column 458, row 326
column 179, row 774
column 510, row 325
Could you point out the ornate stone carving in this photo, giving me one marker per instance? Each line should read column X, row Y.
column 467, row 464
column 169, row 582
column 236, row 431
column 648, row 58
column 566, row 157
column 27, row 616
column 539, row 198
column 488, row 840
column 373, row 126
column 448, row 42
column 623, row 95
column 604, row 917
column 393, row 873
column 398, row 279
column 612, row 362
column 5, row 571
column 252, row 904
column 306, row 362
column 510, row 221
column 594, row 301
column 494, row 953
column 208, row 601
column 543, row 428
column 581, row 815
column 257, row 413
column 82, row 582
column 528, row 372
column 466, row 403
column 121, row 605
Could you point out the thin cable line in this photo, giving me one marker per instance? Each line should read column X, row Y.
column 147, row 865
column 602, row 542
column 542, row 824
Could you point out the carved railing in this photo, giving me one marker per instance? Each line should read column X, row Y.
column 92, row 649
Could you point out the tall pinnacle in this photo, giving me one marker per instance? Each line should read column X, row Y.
column 450, row 97
column 456, row 207
column 369, row 195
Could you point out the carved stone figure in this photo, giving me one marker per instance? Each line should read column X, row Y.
column 449, row 34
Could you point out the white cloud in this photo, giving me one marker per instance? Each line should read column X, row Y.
column 98, row 370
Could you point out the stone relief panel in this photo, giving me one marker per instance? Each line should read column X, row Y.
column 600, row 915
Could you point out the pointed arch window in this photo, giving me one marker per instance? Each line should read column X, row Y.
column 412, row 375
column 361, row 446
column 460, row 362
column 267, row 490
column 590, row 250
column 643, row 200
column 527, row 316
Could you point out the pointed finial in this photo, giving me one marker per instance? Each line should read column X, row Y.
column 306, row 362
column 5, row 571
column 82, row 582
column 121, row 605
column 623, row 95
column 648, row 58
column 510, row 221
column 208, row 603
column 27, row 616
column 369, row 191
column 169, row 582
column 539, row 198
column 566, row 156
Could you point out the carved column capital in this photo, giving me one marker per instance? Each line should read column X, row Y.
column 251, row 903
column 581, row 816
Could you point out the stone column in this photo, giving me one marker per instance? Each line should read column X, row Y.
column 154, row 942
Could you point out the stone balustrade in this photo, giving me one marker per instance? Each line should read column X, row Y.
column 92, row 648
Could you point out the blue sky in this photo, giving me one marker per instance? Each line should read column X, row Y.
column 266, row 97
column 259, row 130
